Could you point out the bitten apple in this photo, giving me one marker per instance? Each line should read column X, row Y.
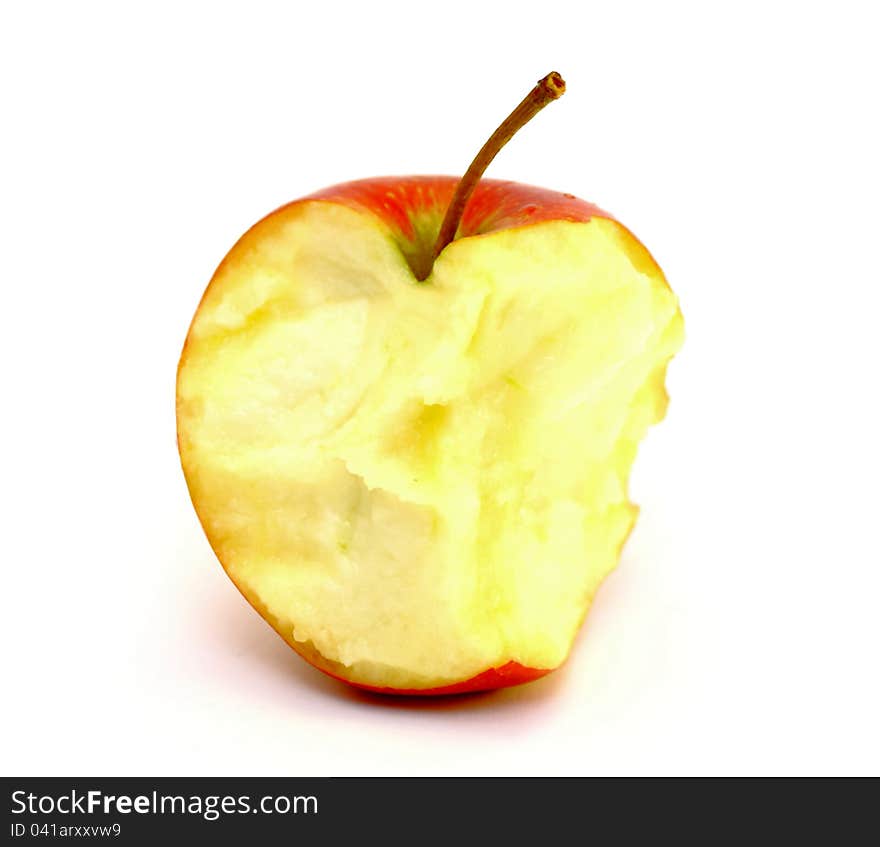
column 411, row 456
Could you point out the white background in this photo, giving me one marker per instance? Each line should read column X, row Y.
column 740, row 633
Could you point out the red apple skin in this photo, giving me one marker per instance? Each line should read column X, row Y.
column 512, row 673
column 495, row 205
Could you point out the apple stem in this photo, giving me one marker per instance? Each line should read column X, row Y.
column 550, row 88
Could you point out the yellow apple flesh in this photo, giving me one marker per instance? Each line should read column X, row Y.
column 418, row 482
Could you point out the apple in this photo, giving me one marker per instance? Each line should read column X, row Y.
column 407, row 409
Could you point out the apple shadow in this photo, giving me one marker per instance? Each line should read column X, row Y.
column 234, row 627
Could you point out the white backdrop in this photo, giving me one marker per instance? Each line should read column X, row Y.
column 740, row 632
